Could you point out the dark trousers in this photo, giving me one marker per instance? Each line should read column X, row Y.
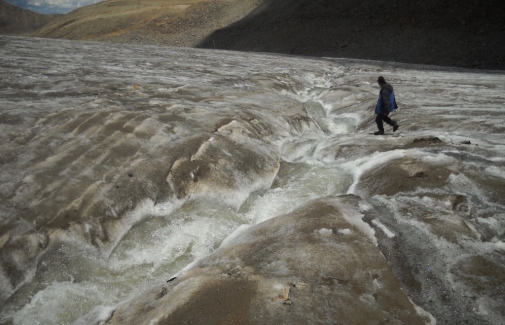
column 383, row 117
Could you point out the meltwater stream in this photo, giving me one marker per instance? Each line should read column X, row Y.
column 72, row 280
column 122, row 165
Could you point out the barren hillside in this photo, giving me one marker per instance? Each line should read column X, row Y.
column 463, row 33
column 18, row 21
column 161, row 22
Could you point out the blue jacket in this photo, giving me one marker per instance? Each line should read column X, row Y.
column 386, row 100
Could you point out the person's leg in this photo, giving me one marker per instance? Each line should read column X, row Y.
column 391, row 122
column 388, row 120
column 380, row 126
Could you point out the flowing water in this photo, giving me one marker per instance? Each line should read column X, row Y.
column 122, row 165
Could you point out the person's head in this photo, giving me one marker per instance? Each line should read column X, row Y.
column 381, row 81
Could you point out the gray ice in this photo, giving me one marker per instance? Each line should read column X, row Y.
column 123, row 165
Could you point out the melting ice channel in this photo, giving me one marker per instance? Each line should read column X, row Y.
column 123, row 164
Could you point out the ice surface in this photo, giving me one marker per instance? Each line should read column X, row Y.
column 384, row 229
column 124, row 165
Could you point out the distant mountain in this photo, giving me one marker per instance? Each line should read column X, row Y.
column 18, row 21
column 460, row 33
column 160, row 22
column 464, row 33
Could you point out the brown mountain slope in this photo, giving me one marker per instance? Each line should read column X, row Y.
column 160, row 22
column 18, row 21
column 462, row 33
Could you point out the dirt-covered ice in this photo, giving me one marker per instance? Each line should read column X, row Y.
column 122, row 166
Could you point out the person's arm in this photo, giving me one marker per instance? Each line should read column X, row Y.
column 385, row 100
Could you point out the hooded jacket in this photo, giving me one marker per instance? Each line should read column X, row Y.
column 387, row 101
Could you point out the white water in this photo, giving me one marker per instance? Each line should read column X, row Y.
column 48, row 85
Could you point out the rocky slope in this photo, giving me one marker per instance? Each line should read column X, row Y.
column 174, row 22
column 18, row 21
column 465, row 33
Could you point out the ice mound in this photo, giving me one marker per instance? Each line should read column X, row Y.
column 296, row 269
column 89, row 153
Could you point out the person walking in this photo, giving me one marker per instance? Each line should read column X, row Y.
column 385, row 104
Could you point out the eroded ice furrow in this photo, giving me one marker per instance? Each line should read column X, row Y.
column 90, row 177
column 122, row 167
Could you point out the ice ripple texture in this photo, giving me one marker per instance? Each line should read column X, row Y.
column 123, row 165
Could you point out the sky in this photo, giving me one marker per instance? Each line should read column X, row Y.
column 52, row 6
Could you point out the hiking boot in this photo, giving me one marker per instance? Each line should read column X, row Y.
column 395, row 127
column 379, row 133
